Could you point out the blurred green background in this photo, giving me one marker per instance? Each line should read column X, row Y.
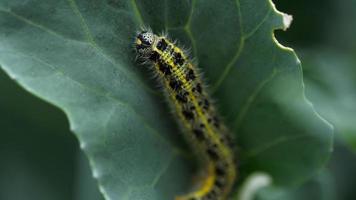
column 40, row 158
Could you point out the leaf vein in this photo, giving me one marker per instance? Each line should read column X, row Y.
column 34, row 24
column 99, row 50
column 264, row 19
column 163, row 171
column 187, row 28
column 109, row 97
column 242, row 40
column 276, row 142
column 137, row 12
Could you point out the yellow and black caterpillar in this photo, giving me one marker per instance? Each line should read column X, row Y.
column 195, row 111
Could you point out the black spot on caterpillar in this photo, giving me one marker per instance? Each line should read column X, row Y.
column 181, row 97
column 190, row 75
column 188, row 114
column 175, row 84
column 199, row 134
column 195, row 112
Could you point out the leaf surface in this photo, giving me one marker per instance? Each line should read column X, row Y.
column 78, row 55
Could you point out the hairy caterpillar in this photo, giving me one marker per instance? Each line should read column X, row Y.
column 195, row 111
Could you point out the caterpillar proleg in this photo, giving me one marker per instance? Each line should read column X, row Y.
column 195, row 112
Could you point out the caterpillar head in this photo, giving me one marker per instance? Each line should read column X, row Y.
column 144, row 42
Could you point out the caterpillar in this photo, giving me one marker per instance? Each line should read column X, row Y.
column 196, row 113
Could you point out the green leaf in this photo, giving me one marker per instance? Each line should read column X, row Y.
column 78, row 55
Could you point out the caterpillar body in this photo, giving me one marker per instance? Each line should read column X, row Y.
column 186, row 94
